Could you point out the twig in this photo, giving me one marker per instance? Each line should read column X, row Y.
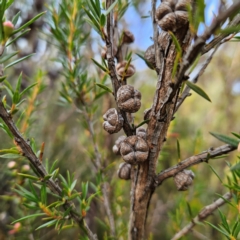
column 186, row 91
column 95, row 146
column 203, row 214
column 36, row 163
column 200, row 42
column 99, row 168
column 220, row 37
column 199, row 235
column 215, row 43
column 90, row 234
column 105, row 192
column 202, row 157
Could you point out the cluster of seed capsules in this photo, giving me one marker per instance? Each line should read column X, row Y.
column 134, row 149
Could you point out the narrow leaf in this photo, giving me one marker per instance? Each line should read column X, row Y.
column 15, row 18
column 44, row 194
column 236, row 135
column 19, row 81
column 176, row 42
column 17, row 37
column 28, row 23
column 178, row 150
column 100, row 66
column 93, row 20
column 10, row 155
column 27, row 89
column 214, row 171
column 230, row 30
column 94, row 9
column 235, row 167
column 189, row 210
column 102, row 20
column 73, row 184
column 104, row 87
column 147, row 62
column 219, row 195
column 198, row 90
column 11, row 150
column 224, row 222
column 48, row 224
column 226, row 139
column 29, row 216
column 218, row 229
column 28, row 176
column 2, row 78
column 8, row 56
column 18, row 61
column 142, row 123
column 236, row 229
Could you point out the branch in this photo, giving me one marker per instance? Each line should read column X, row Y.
column 111, row 65
column 202, row 157
column 37, row 165
column 203, row 214
column 105, row 191
column 198, row 45
column 90, row 234
column 186, row 91
column 98, row 165
column 218, row 39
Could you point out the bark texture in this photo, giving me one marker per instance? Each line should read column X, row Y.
column 161, row 115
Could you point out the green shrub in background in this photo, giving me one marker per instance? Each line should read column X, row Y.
column 51, row 110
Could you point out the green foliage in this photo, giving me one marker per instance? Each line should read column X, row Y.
column 83, row 97
column 231, row 230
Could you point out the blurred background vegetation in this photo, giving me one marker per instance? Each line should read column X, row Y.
column 60, row 126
